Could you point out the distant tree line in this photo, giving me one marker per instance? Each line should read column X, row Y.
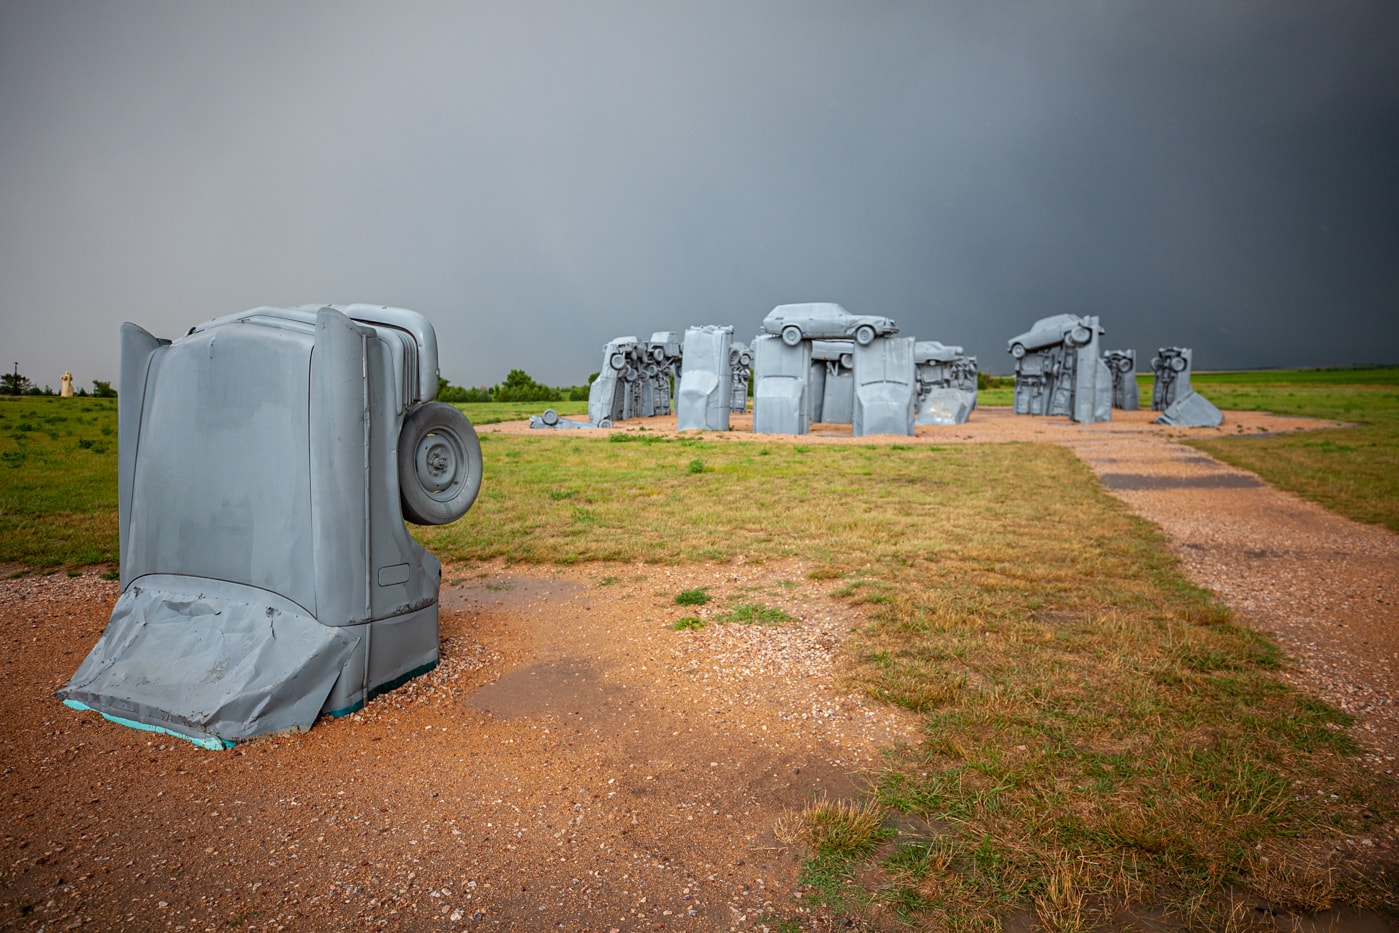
column 17, row 383
column 518, row 386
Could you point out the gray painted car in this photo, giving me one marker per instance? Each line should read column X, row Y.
column 824, row 320
column 1069, row 329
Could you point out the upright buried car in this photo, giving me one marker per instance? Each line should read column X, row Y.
column 824, row 320
column 266, row 463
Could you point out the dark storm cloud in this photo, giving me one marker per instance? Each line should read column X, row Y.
column 540, row 177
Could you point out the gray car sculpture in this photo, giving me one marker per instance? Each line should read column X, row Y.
column 740, row 373
column 817, row 320
column 780, row 373
column 635, row 378
column 886, row 387
column 1122, row 365
column 1174, row 397
column 266, row 463
column 946, row 383
column 705, row 396
column 550, row 419
column 831, row 389
column 1058, row 372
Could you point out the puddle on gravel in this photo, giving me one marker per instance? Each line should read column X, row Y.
column 505, row 591
column 1132, row 481
column 566, row 687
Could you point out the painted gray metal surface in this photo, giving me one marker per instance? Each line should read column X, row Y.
column 608, row 395
column 885, row 387
column 1172, row 366
column 266, row 462
column 832, row 381
column 1173, row 395
column 635, row 378
column 780, row 372
column 944, row 406
column 1122, row 364
column 1057, row 370
column 824, row 320
column 550, row 419
column 1192, row 411
column 946, row 383
column 705, row 396
column 740, row 376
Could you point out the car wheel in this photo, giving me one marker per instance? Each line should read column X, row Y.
column 605, row 423
column 1124, row 365
column 791, row 335
column 1178, row 363
column 439, row 465
column 1017, row 350
column 847, row 360
column 550, row 417
column 1081, row 336
column 617, row 361
column 658, row 354
column 745, row 359
column 864, row 335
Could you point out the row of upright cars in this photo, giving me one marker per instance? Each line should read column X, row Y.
column 812, row 362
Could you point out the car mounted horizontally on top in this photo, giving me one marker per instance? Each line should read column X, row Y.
column 824, row 320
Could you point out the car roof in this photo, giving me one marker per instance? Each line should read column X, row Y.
column 810, row 308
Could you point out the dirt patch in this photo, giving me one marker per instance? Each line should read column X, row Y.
column 572, row 762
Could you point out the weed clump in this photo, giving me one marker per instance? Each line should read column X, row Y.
column 755, row 614
column 695, row 597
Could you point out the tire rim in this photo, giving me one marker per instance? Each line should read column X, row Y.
column 440, row 460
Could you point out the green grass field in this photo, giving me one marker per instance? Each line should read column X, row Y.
column 1353, row 471
column 1097, row 731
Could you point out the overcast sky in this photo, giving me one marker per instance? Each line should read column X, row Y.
column 539, row 177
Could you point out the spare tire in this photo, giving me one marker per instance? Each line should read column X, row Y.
column 439, row 464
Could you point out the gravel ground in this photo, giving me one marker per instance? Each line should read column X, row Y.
column 573, row 762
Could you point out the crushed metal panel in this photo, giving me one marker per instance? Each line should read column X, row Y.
column 1192, row 411
column 217, row 663
column 945, row 406
column 947, row 388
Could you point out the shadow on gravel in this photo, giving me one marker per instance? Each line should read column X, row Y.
column 1135, row 481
